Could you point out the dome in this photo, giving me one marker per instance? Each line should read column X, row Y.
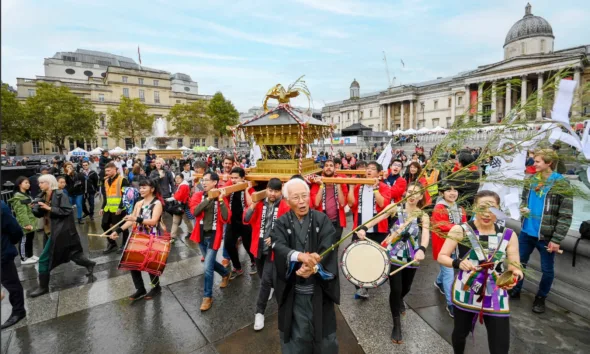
column 355, row 84
column 180, row 76
column 529, row 26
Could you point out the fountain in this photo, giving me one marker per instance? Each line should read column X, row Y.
column 159, row 139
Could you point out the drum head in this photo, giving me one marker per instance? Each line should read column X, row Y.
column 365, row 264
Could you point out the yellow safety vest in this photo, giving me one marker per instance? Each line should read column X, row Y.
column 431, row 180
column 113, row 194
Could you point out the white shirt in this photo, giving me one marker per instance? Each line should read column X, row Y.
column 368, row 200
column 188, row 175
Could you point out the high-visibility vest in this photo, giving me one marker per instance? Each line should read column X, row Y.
column 114, row 195
column 431, row 180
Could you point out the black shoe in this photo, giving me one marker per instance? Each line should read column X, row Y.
column 539, row 305
column 39, row 291
column 153, row 292
column 80, row 221
column 91, row 218
column 12, row 320
column 90, row 269
column 138, row 295
column 43, row 285
column 396, row 332
column 514, row 294
column 112, row 247
column 451, row 310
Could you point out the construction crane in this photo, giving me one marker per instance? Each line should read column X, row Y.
column 389, row 81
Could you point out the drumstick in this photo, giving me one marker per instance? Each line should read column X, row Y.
column 402, row 267
column 97, row 235
column 558, row 251
column 112, row 228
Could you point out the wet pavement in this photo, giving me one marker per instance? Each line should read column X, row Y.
column 82, row 315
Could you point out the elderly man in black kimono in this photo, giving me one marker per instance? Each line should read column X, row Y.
column 307, row 287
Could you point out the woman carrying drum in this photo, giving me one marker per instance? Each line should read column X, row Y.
column 479, row 290
column 406, row 244
column 145, row 219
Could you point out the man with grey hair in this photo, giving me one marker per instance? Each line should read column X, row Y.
column 307, row 285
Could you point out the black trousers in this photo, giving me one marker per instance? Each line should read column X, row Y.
column 375, row 236
column 399, row 284
column 138, row 280
column 108, row 220
column 498, row 332
column 265, row 272
column 232, row 233
column 26, row 246
column 11, row 282
column 88, row 198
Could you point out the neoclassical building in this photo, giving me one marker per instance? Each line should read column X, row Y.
column 528, row 54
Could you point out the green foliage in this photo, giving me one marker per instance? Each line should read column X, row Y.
column 129, row 120
column 55, row 113
column 222, row 113
column 190, row 119
column 14, row 127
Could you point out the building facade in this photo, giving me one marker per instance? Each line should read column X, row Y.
column 528, row 55
column 103, row 78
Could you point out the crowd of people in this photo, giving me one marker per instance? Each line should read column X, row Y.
column 437, row 205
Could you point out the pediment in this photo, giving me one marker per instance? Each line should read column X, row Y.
column 525, row 62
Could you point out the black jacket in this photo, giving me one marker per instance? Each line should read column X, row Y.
column 75, row 184
column 91, row 182
column 11, row 234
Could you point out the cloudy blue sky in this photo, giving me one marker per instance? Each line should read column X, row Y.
column 242, row 48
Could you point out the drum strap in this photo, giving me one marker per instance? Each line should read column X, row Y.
column 263, row 217
column 335, row 198
column 360, row 208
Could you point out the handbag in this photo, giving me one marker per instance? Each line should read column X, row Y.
column 584, row 235
column 175, row 207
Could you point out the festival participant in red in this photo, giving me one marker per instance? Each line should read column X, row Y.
column 262, row 216
column 395, row 181
column 349, row 162
column 367, row 201
column 330, row 198
column 414, row 173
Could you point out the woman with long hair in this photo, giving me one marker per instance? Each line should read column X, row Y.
column 63, row 242
column 414, row 174
column 25, row 218
column 406, row 243
column 75, row 187
column 146, row 218
column 163, row 177
column 475, row 292
column 134, row 175
column 182, row 196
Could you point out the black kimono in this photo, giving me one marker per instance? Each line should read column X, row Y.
column 64, row 242
column 305, row 301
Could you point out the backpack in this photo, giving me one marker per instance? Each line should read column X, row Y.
column 584, row 235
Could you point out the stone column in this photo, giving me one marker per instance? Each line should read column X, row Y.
column 523, row 94
column 578, row 75
column 402, row 116
column 494, row 115
column 479, row 102
column 412, row 114
column 388, row 120
column 539, row 96
column 453, row 108
column 508, row 105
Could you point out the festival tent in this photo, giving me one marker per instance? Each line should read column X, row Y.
column 117, row 151
column 439, row 129
column 135, row 150
column 169, row 147
column 96, row 151
column 410, row 131
column 398, row 132
column 423, row 130
column 184, row 148
column 212, row 148
column 78, row 152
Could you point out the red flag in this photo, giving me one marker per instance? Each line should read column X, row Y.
column 139, row 55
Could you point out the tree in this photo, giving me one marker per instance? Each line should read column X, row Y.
column 54, row 113
column 130, row 119
column 14, row 127
column 190, row 119
column 222, row 113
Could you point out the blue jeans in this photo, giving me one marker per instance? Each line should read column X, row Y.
column 211, row 264
column 77, row 201
column 445, row 279
column 527, row 245
column 225, row 252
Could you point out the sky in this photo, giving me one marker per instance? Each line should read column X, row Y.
column 243, row 48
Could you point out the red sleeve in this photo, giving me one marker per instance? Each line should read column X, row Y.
column 226, row 202
column 344, row 190
column 440, row 220
column 182, row 193
column 398, row 189
column 385, row 191
column 195, row 200
column 313, row 192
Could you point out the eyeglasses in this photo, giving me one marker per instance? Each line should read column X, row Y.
column 297, row 198
column 397, row 164
column 205, row 180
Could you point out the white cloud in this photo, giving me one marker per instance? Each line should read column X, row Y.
column 366, row 8
column 145, row 48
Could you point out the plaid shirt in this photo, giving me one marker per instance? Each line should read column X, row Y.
column 557, row 211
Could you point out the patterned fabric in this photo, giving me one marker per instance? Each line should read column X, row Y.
column 401, row 251
column 130, row 196
column 469, row 286
column 146, row 213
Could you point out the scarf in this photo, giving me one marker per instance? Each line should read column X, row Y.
column 274, row 217
column 360, row 208
column 335, row 197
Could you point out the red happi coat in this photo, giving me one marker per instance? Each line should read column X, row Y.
column 440, row 225
column 384, row 190
column 315, row 189
column 196, row 199
column 256, row 219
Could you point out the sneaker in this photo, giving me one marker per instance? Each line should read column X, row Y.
column 28, row 261
column 439, row 287
column 236, row 273
column 35, row 258
column 153, row 292
column 272, row 291
column 225, row 263
column 451, row 310
column 539, row 305
column 258, row 322
column 202, row 259
column 361, row 293
column 253, row 269
column 514, row 294
column 138, row 295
